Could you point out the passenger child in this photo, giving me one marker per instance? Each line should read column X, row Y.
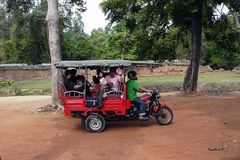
column 82, row 83
column 69, row 85
column 113, row 80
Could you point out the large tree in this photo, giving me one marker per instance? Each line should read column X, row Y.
column 54, row 44
column 191, row 77
column 154, row 18
column 54, row 40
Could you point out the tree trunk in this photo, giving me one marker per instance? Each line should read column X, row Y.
column 54, row 44
column 235, row 15
column 191, row 77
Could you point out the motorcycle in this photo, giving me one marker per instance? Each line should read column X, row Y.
column 154, row 108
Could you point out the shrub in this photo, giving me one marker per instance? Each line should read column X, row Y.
column 6, row 83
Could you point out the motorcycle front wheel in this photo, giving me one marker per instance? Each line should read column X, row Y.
column 164, row 116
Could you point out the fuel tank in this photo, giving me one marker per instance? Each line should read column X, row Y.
column 145, row 97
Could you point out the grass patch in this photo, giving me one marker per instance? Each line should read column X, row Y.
column 219, row 77
column 32, row 84
column 31, row 87
column 204, row 78
column 161, row 80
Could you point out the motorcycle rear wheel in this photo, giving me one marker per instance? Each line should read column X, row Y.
column 164, row 116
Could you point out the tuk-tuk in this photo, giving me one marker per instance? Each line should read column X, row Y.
column 106, row 104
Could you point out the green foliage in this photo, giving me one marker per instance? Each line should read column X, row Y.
column 144, row 28
column 222, row 48
column 6, row 83
column 74, row 41
column 19, row 5
column 160, row 30
column 22, row 88
column 23, row 37
column 141, row 30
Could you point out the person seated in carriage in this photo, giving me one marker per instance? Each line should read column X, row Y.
column 73, row 72
column 69, row 84
column 111, row 84
column 83, row 84
column 113, row 80
column 79, row 85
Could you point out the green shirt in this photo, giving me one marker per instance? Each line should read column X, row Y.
column 132, row 88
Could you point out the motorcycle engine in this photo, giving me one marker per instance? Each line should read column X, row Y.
column 134, row 111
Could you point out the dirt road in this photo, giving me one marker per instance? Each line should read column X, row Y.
column 205, row 127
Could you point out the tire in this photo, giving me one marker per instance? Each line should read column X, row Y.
column 166, row 117
column 95, row 123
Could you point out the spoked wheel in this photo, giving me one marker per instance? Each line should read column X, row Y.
column 164, row 116
column 95, row 123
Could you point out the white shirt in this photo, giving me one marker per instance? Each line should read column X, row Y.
column 114, row 80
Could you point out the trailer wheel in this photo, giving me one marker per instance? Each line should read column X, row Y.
column 95, row 123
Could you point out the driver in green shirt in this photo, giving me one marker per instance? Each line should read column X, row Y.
column 132, row 88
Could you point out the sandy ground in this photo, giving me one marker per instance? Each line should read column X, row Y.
column 205, row 127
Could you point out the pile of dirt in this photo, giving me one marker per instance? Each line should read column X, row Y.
column 236, row 69
column 161, row 70
column 215, row 88
column 205, row 69
column 51, row 108
column 169, row 70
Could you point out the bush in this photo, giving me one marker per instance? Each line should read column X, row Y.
column 6, row 83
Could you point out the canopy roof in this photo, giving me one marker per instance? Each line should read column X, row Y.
column 101, row 63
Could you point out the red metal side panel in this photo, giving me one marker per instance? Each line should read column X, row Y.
column 73, row 104
column 115, row 104
column 128, row 104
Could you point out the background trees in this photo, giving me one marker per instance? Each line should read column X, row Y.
column 151, row 20
column 141, row 30
column 145, row 33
